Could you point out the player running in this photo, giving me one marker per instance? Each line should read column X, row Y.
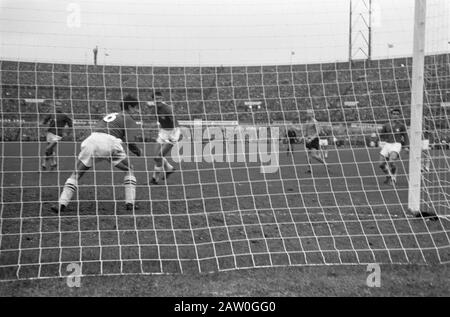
column 311, row 131
column 56, row 121
column 394, row 135
column 105, row 142
column 169, row 134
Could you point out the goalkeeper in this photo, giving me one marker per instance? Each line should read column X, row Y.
column 393, row 135
column 105, row 142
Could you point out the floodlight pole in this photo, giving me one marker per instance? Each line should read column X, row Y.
column 350, row 32
column 355, row 18
column 369, row 48
column 417, row 107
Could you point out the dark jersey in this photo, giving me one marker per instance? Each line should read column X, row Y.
column 118, row 124
column 394, row 132
column 313, row 144
column 291, row 133
column 165, row 115
column 57, row 122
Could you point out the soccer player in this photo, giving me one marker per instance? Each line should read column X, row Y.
column 394, row 135
column 105, row 142
column 56, row 121
column 311, row 131
column 323, row 143
column 426, row 162
column 291, row 137
column 169, row 134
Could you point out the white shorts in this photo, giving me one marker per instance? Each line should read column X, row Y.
column 101, row 146
column 51, row 138
column 388, row 148
column 323, row 142
column 169, row 136
column 425, row 145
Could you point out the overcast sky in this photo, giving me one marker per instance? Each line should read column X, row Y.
column 209, row 32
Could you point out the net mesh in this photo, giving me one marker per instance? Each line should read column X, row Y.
column 222, row 210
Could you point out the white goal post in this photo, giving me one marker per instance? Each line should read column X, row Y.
column 416, row 133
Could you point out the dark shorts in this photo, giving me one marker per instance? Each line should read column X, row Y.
column 292, row 140
column 314, row 144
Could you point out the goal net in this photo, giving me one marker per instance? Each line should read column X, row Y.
column 245, row 193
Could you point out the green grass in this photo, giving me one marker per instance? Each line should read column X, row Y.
column 396, row 280
column 231, row 220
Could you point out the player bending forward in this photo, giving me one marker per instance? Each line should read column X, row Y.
column 105, row 142
column 56, row 123
column 169, row 134
column 393, row 134
column 311, row 136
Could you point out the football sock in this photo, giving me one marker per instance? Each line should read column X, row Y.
column 157, row 171
column 393, row 169
column 70, row 187
column 53, row 159
column 167, row 165
column 130, row 188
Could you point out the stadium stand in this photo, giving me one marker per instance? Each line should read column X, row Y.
column 219, row 93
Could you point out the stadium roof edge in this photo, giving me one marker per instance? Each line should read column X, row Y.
column 294, row 65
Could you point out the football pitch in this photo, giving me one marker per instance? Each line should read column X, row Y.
column 211, row 218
